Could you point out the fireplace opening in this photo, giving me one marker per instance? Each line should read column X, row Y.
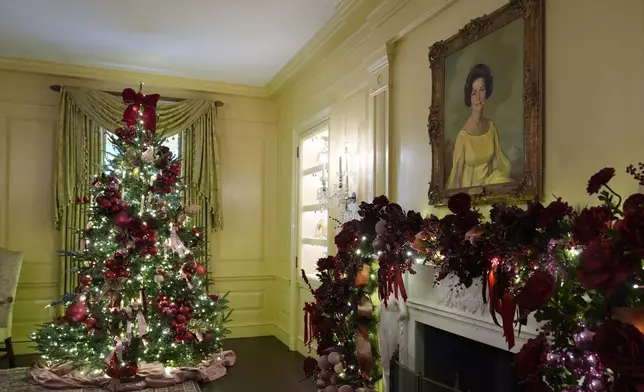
column 465, row 364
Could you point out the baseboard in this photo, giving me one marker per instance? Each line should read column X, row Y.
column 283, row 336
column 24, row 348
column 250, row 330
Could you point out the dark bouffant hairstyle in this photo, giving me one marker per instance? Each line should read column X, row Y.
column 478, row 71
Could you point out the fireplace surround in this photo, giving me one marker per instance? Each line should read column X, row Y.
column 450, row 331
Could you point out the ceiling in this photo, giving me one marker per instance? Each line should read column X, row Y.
column 234, row 41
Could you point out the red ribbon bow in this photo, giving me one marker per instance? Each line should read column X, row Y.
column 135, row 101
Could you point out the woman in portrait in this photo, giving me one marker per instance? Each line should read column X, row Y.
column 478, row 157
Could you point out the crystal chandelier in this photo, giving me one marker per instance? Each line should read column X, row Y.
column 339, row 191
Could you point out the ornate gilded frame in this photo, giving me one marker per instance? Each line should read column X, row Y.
column 529, row 188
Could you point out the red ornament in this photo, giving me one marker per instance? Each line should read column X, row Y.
column 153, row 250
column 180, row 319
column 184, row 310
column 188, row 336
column 76, row 312
column 207, row 337
column 195, row 231
column 201, row 270
column 86, row 280
column 109, row 275
column 90, row 323
column 122, row 219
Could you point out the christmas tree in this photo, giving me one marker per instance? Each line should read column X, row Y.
column 142, row 284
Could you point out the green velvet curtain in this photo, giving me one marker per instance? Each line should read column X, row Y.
column 84, row 113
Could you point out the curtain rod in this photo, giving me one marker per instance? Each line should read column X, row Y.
column 56, row 88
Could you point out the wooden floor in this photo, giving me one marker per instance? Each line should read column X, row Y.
column 263, row 364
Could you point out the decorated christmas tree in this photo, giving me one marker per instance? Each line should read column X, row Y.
column 141, row 296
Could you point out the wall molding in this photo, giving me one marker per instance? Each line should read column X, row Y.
column 348, row 18
column 128, row 77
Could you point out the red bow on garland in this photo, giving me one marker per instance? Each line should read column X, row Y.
column 135, row 101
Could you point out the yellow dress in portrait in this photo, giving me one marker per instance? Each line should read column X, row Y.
column 482, row 159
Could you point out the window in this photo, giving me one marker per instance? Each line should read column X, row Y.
column 313, row 176
column 173, row 143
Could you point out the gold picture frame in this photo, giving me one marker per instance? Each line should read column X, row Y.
column 485, row 37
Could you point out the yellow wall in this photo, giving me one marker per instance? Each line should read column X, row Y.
column 593, row 92
column 242, row 253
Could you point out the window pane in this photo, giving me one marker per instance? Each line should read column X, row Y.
column 173, row 143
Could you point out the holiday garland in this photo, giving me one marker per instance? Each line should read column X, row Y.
column 579, row 272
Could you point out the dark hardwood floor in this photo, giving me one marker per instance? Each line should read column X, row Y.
column 263, row 364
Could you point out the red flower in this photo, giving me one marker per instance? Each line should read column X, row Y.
column 213, row 297
column 600, row 179
column 603, row 266
column 459, row 203
column 528, row 362
column 620, row 346
column 553, row 213
column 345, row 240
column 590, row 224
column 326, row 263
column 537, row 291
column 634, row 205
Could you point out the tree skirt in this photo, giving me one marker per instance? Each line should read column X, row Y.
column 19, row 380
column 150, row 377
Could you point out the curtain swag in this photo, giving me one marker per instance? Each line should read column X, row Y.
column 84, row 112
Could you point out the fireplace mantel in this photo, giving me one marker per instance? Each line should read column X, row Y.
column 459, row 311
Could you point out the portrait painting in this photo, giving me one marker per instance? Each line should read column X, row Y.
column 485, row 122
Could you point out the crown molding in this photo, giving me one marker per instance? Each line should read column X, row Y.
column 129, row 77
column 350, row 16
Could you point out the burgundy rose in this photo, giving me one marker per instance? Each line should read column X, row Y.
column 345, row 240
column 603, row 266
column 467, row 220
column 459, row 203
column 634, row 205
column 380, row 201
column 631, row 232
column 529, row 361
column 326, row 263
column 536, row 293
column 590, row 224
column 553, row 213
column 600, row 179
column 620, row 346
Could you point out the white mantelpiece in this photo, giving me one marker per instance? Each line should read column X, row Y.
column 460, row 312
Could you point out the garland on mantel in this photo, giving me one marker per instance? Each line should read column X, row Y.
column 580, row 273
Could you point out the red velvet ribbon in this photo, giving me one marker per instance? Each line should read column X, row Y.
column 505, row 306
column 135, row 101
column 309, row 327
column 394, row 284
